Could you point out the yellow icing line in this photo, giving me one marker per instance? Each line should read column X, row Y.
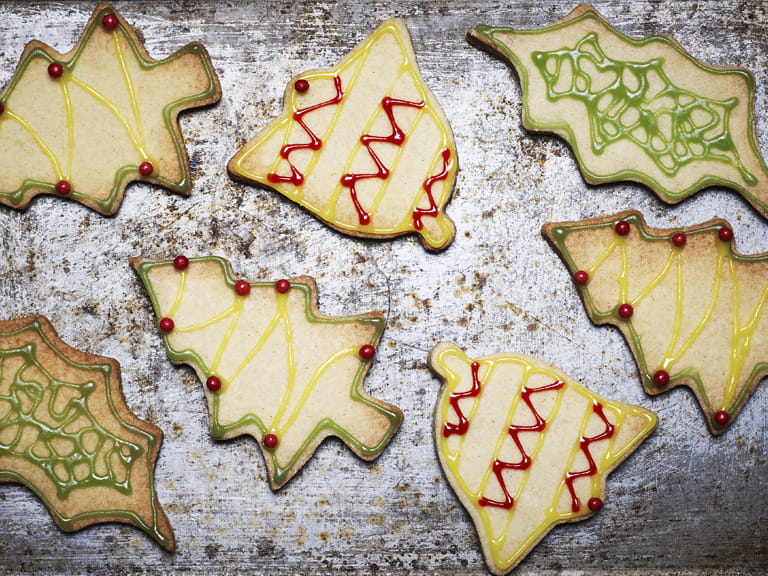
column 40, row 142
column 310, row 386
column 141, row 144
column 179, row 293
column 282, row 312
column 70, row 128
column 678, row 322
column 235, row 311
column 255, row 349
column 673, row 255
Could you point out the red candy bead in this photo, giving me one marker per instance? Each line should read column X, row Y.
column 213, row 383
column 594, row 504
column 270, row 441
column 581, row 277
column 55, row 70
column 181, row 262
column 722, row 417
column 2, row 107
column 661, row 378
column 282, row 286
column 63, row 187
column 166, row 324
column 626, row 310
column 242, row 288
column 109, row 21
column 622, row 228
column 679, row 239
column 725, row 234
column 367, row 352
column 301, row 85
column 146, row 168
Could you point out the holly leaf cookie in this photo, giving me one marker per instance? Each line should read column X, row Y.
column 364, row 146
column 640, row 110
column 67, row 434
column 273, row 366
column 85, row 124
column 524, row 447
column 692, row 309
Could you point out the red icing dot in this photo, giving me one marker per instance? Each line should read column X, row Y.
column 622, row 228
column 63, row 187
column 679, row 239
column 166, row 324
column 213, row 383
column 146, row 168
column 595, row 504
column 270, row 441
column 242, row 288
column 722, row 417
column 661, row 378
column 180, row 262
column 725, row 234
column 109, row 21
column 301, row 85
column 55, row 70
column 367, row 352
column 282, row 286
column 581, row 277
column 626, row 310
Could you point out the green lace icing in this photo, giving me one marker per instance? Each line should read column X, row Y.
column 696, row 126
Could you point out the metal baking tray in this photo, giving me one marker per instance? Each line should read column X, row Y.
column 685, row 503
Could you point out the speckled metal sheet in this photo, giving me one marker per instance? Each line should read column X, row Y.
column 685, row 503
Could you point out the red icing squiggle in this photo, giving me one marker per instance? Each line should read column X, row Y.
column 514, row 431
column 463, row 424
column 397, row 137
column 433, row 209
column 591, row 469
column 297, row 178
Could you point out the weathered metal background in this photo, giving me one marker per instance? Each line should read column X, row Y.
column 684, row 503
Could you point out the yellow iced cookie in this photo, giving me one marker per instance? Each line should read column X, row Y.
column 85, row 124
column 692, row 309
column 364, row 146
column 525, row 448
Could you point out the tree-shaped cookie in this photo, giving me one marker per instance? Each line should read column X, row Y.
column 692, row 309
column 364, row 146
column 85, row 124
column 273, row 366
column 67, row 433
column 524, row 447
column 641, row 110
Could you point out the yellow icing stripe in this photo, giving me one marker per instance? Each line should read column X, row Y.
column 70, row 129
column 40, row 142
column 282, row 313
column 139, row 141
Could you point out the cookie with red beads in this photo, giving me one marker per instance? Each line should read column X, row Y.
column 693, row 310
column 85, row 124
column 272, row 365
column 525, row 447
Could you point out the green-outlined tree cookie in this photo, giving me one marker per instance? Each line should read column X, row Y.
column 640, row 110
column 692, row 309
column 525, row 447
column 67, row 433
column 85, row 124
column 364, row 146
column 272, row 366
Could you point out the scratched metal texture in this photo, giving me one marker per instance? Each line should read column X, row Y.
column 684, row 504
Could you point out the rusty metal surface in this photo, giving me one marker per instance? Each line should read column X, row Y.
column 684, row 503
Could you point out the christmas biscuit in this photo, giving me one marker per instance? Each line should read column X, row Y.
column 692, row 309
column 364, row 146
column 272, row 366
column 85, row 124
column 524, row 447
column 641, row 110
column 67, row 433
